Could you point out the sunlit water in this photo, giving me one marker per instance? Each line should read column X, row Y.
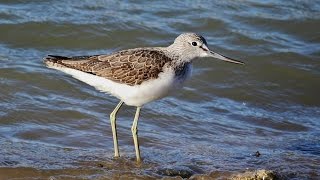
column 54, row 125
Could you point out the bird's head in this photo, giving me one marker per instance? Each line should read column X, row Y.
column 191, row 46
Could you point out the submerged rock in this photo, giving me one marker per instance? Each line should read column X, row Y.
column 183, row 172
column 247, row 175
column 255, row 175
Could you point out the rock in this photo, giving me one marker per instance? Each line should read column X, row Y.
column 183, row 172
column 255, row 175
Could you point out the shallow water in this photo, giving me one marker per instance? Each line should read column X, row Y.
column 52, row 125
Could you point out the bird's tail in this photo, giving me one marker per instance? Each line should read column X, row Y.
column 54, row 60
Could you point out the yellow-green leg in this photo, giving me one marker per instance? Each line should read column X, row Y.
column 114, row 128
column 134, row 130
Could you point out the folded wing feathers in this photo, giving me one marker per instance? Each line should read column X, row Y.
column 131, row 67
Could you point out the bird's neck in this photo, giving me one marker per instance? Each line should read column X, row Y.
column 180, row 63
column 178, row 54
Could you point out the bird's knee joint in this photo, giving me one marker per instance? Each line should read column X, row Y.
column 112, row 116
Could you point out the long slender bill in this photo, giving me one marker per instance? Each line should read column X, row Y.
column 224, row 58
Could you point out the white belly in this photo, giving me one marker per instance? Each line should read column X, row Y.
column 131, row 95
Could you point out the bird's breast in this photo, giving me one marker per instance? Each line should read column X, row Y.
column 182, row 72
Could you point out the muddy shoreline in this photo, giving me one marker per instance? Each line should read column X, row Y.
column 104, row 173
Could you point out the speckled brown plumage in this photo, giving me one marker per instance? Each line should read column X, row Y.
column 131, row 67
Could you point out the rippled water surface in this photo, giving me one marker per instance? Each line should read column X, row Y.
column 52, row 125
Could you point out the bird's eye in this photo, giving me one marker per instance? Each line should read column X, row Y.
column 194, row 43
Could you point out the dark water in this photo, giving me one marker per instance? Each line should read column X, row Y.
column 52, row 125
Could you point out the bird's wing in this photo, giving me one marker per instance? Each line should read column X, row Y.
column 130, row 67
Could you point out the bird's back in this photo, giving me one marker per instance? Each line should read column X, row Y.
column 131, row 67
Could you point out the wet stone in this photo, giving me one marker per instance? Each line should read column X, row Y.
column 183, row 172
column 255, row 175
column 100, row 165
column 257, row 154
